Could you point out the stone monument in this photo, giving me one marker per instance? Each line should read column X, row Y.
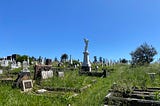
column 86, row 65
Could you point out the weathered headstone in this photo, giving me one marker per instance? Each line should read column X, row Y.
column 4, row 63
column 47, row 74
column 60, row 74
column 21, row 76
column 152, row 76
column 1, row 71
column 38, row 71
column 19, row 64
column 27, row 85
column 25, row 64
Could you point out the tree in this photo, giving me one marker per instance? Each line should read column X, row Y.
column 143, row 54
column 64, row 57
column 100, row 59
column 123, row 61
column 22, row 58
column 55, row 59
column 95, row 59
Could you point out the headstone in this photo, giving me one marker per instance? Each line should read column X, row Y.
column 21, row 76
column 25, row 64
column 4, row 63
column 46, row 69
column 19, row 64
column 1, row 71
column 152, row 76
column 86, row 65
column 13, row 64
column 44, row 74
column 60, row 74
column 75, row 66
column 27, row 85
column 47, row 74
column 50, row 74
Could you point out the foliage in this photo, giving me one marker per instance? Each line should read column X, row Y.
column 95, row 59
column 64, row 57
column 143, row 55
column 123, row 61
column 123, row 75
column 100, row 59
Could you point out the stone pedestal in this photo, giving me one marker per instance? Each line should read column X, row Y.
column 86, row 65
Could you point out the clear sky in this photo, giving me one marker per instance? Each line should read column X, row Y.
column 50, row 28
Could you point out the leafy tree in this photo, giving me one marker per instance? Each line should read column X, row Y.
column 143, row 55
column 123, row 61
column 22, row 58
column 55, row 59
column 95, row 59
column 64, row 57
column 104, row 61
column 100, row 59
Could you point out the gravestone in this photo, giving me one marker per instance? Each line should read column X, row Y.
column 21, row 76
column 86, row 65
column 60, row 74
column 38, row 71
column 47, row 74
column 1, row 71
column 27, row 85
column 25, row 64
column 18, row 64
column 13, row 64
column 152, row 76
column 4, row 63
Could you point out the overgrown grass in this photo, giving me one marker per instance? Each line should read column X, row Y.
column 125, row 76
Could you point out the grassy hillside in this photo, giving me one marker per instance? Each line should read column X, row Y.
column 125, row 77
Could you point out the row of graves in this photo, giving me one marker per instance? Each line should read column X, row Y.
column 41, row 72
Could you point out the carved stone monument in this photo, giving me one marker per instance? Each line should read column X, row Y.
column 86, row 65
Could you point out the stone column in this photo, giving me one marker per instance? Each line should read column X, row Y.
column 86, row 65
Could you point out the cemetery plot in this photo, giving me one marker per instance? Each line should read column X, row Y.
column 136, row 97
column 70, row 81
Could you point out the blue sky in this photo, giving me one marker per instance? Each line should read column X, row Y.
column 50, row 28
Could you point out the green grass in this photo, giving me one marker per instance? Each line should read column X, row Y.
column 125, row 77
column 71, row 79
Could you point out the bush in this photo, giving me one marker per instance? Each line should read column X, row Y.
column 143, row 55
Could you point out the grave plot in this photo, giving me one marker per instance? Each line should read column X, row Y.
column 135, row 97
column 69, row 82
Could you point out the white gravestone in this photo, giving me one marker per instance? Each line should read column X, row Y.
column 1, row 71
column 61, row 74
column 47, row 74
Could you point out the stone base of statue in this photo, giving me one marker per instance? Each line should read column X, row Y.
column 86, row 65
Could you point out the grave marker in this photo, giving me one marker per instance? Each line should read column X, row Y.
column 27, row 85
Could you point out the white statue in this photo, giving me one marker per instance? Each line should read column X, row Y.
column 86, row 42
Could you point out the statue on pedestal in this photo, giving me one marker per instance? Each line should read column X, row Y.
column 86, row 42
